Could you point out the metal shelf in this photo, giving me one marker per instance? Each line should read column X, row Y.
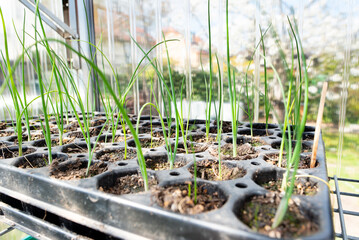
column 343, row 234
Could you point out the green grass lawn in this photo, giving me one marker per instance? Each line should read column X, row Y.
column 349, row 167
column 13, row 235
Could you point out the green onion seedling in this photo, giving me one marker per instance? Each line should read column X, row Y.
column 209, row 103
column 299, row 129
column 12, row 87
column 219, row 118
column 266, row 98
column 194, row 173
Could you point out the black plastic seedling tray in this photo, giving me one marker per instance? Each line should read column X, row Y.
column 133, row 216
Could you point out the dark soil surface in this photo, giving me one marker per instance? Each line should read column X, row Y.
column 173, row 132
column 141, row 130
column 128, row 184
column 255, row 133
column 258, row 213
column 75, row 149
column 209, row 170
column 72, row 126
column 272, row 158
column 35, row 136
column 244, row 152
column 93, row 132
column 191, row 148
column 3, row 126
column 301, row 188
column 263, row 126
column 97, row 122
column 55, row 142
column 160, row 134
column 214, row 130
column 54, row 130
column 38, row 162
column 159, row 164
column 256, row 142
column 117, row 139
column 304, row 148
column 201, row 139
column 76, row 170
column 7, row 153
column 112, row 155
column 226, row 126
column 148, row 124
column 6, row 133
column 147, row 143
column 75, row 135
column 175, row 198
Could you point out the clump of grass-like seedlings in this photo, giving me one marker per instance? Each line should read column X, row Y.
column 194, row 176
column 235, row 105
column 219, row 118
column 231, row 89
column 249, row 96
column 266, row 98
column 181, row 118
column 210, row 84
column 85, row 126
column 12, row 87
column 293, row 161
column 118, row 101
column 171, row 96
column 26, row 112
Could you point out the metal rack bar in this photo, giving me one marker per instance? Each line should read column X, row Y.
column 340, row 210
column 346, row 179
column 338, row 235
column 55, row 23
column 347, row 194
column 9, row 229
column 347, row 212
column 340, row 207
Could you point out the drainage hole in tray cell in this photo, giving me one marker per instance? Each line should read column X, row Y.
column 82, row 139
column 255, row 163
column 45, row 149
column 152, row 150
column 114, row 144
column 122, row 164
column 272, row 137
column 199, row 156
column 174, row 173
column 81, row 156
column 265, row 148
column 241, row 185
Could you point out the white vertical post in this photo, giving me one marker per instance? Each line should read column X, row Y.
column 134, row 54
column 188, row 51
column 220, row 51
column 158, row 10
column 345, row 84
column 257, row 62
column 110, row 32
